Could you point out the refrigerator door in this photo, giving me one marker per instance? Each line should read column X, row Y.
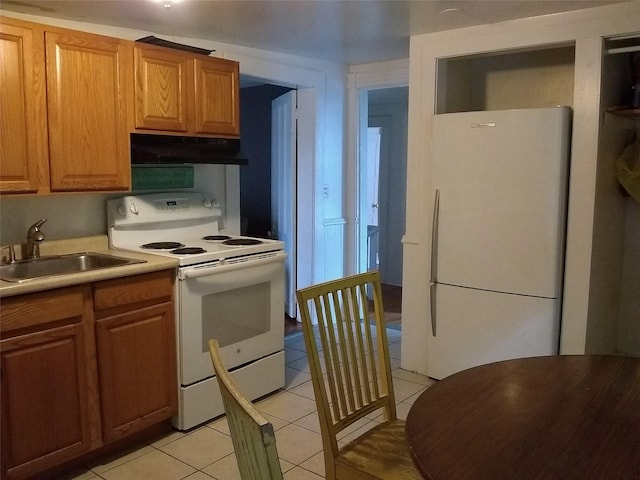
column 475, row 327
column 501, row 179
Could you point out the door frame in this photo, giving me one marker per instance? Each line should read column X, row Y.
column 362, row 78
column 311, row 89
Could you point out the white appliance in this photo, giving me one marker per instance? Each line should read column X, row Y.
column 228, row 287
column 498, row 235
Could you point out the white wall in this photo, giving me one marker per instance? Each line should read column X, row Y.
column 321, row 111
column 585, row 30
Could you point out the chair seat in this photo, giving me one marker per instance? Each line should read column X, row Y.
column 382, row 452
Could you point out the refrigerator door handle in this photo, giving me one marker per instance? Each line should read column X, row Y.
column 432, row 297
column 434, row 261
column 434, row 238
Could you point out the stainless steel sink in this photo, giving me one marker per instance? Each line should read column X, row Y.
column 61, row 265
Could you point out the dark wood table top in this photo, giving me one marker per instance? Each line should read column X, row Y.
column 561, row 417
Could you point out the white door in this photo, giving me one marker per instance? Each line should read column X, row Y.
column 283, row 187
column 371, row 186
column 387, row 252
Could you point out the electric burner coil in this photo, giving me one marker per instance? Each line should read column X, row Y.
column 216, row 238
column 188, row 251
column 241, row 242
column 162, row 245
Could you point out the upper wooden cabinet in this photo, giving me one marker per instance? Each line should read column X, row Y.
column 217, row 96
column 161, row 90
column 64, row 110
column 23, row 129
column 179, row 92
column 69, row 100
column 87, row 111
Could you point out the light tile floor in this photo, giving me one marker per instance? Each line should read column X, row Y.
column 207, row 452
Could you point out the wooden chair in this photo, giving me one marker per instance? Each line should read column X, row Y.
column 357, row 381
column 254, row 442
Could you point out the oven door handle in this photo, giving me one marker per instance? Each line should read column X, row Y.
column 229, row 265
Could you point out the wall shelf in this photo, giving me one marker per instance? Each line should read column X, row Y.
column 622, row 44
column 627, row 112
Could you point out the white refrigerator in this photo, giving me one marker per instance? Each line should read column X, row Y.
column 498, row 236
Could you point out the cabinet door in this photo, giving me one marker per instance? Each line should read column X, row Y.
column 23, row 130
column 161, row 90
column 87, row 109
column 45, row 383
column 137, row 359
column 217, row 102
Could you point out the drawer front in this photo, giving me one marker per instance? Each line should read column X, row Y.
column 136, row 290
column 64, row 306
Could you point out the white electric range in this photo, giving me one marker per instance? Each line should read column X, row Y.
column 228, row 287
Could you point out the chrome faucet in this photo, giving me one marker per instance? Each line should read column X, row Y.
column 34, row 238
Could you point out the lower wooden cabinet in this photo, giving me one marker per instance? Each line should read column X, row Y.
column 46, row 386
column 83, row 366
column 136, row 349
column 136, row 364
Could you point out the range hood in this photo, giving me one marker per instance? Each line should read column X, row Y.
column 174, row 149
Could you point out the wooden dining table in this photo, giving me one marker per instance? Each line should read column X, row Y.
column 560, row 417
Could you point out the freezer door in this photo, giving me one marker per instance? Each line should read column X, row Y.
column 475, row 327
column 501, row 178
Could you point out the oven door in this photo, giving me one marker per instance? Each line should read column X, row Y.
column 239, row 303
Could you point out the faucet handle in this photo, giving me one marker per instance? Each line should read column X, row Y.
column 37, row 225
column 12, row 254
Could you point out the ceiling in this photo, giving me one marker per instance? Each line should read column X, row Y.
column 345, row 31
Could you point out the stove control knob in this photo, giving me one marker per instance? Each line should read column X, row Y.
column 122, row 211
column 133, row 208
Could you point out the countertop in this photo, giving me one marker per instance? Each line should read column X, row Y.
column 97, row 244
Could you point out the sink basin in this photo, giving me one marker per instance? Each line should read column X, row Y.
column 61, row 265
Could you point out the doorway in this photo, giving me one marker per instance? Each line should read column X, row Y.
column 382, row 182
column 268, row 183
column 381, row 190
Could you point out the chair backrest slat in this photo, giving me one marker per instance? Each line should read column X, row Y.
column 370, row 367
column 344, row 321
column 327, row 336
column 352, row 331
